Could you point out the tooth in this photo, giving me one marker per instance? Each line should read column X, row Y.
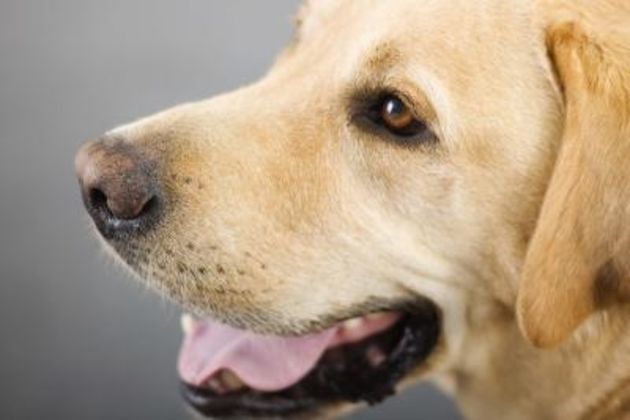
column 188, row 323
column 216, row 385
column 353, row 324
column 375, row 355
column 231, row 381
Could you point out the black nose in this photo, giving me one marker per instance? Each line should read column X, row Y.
column 120, row 188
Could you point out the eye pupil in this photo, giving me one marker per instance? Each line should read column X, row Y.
column 389, row 116
column 394, row 107
column 396, row 115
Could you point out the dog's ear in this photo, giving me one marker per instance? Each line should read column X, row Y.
column 578, row 260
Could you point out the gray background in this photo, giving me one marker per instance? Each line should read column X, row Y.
column 79, row 340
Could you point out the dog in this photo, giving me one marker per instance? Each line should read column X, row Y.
column 416, row 190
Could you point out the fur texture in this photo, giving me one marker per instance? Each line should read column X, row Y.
column 285, row 216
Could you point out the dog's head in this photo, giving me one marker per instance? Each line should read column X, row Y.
column 367, row 200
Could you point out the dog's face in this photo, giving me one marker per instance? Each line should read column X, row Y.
column 375, row 168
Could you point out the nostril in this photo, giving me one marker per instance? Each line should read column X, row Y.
column 121, row 210
column 113, row 218
column 150, row 207
column 98, row 199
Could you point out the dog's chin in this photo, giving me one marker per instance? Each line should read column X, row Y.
column 366, row 371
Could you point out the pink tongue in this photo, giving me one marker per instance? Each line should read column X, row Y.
column 265, row 363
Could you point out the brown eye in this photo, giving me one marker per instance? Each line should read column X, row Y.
column 389, row 116
column 396, row 116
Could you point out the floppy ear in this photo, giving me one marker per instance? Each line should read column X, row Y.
column 578, row 260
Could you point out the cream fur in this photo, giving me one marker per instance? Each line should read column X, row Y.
column 286, row 214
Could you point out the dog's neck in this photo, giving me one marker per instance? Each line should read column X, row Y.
column 587, row 378
column 615, row 405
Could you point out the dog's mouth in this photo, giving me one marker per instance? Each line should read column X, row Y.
column 233, row 373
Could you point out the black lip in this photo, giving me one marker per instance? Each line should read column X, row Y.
column 344, row 375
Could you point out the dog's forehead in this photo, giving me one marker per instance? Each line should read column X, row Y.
column 448, row 38
column 315, row 15
column 430, row 27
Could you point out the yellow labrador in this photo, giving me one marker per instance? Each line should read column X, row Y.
column 417, row 189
